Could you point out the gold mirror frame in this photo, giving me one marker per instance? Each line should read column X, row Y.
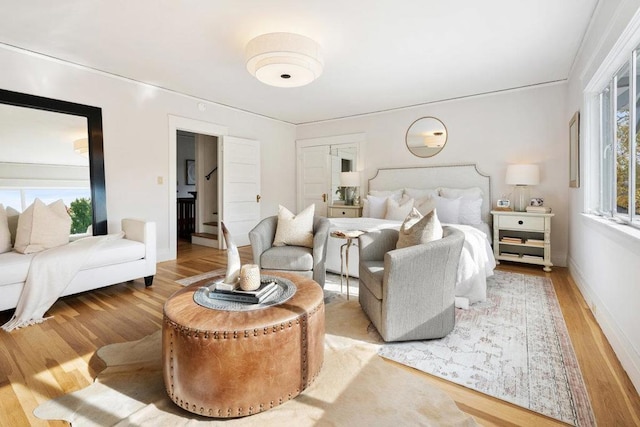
column 426, row 137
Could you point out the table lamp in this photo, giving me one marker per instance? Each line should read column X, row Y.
column 522, row 176
column 350, row 181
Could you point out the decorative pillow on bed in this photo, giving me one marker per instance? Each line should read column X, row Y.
column 295, row 230
column 448, row 210
column 5, row 234
column 377, row 207
column 397, row 211
column 470, row 211
column 425, row 206
column 467, row 193
column 42, row 227
column 394, row 194
column 418, row 193
column 470, row 203
column 417, row 229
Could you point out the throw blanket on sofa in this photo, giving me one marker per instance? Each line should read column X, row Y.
column 50, row 273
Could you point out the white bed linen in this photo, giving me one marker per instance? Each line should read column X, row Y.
column 476, row 260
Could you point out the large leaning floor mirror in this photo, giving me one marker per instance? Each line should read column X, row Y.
column 52, row 150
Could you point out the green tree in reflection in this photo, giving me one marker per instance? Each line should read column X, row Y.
column 80, row 212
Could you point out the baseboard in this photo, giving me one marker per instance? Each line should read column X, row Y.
column 619, row 342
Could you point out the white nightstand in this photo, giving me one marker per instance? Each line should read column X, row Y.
column 344, row 211
column 522, row 237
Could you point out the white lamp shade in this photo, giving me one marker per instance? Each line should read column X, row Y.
column 523, row 175
column 284, row 59
column 350, row 179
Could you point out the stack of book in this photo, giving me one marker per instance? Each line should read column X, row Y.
column 507, row 239
column 532, row 257
column 535, row 242
column 539, row 209
column 257, row 296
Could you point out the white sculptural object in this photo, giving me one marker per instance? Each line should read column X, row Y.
column 232, row 277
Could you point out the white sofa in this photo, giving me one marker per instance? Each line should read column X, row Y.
column 115, row 261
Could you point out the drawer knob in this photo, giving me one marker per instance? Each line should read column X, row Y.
column 344, row 213
column 520, row 222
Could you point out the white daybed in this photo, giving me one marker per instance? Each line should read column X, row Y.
column 477, row 261
column 114, row 261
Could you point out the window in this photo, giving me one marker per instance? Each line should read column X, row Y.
column 619, row 102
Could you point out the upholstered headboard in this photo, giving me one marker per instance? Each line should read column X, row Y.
column 451, row 176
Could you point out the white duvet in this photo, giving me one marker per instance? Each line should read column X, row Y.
column 476, row 260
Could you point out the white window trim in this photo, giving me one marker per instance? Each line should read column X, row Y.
column 620, row 54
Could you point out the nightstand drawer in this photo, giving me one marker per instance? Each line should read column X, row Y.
column 344, row 213
column 516, row 222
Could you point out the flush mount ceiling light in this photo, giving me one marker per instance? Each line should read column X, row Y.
column 81, row 146
column 284, row 59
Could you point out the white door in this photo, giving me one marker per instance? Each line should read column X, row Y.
column 240, row 187
column 315, row 174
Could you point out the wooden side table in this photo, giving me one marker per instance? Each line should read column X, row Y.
column 522, row 237
column 344, row 211
column 349, row 236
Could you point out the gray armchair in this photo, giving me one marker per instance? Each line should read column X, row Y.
column 408, row 293
column 309, row 262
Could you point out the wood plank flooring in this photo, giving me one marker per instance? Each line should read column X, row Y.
column 56, row 357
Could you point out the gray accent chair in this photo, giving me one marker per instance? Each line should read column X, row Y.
column 307, row 262
column 409, row 293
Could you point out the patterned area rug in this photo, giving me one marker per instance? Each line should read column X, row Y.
column 514, row 346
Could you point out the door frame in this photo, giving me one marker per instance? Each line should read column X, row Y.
column 360, row 139
column 195, row 126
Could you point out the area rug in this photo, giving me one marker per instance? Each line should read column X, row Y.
column 514, row 346
column 355, row 387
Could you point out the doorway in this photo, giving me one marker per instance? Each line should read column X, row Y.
column 197, row 188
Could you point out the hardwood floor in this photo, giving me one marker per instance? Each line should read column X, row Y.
column 56, row 357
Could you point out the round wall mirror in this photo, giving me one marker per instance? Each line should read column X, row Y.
column 426, row 137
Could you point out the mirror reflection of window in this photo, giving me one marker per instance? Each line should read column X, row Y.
column 44, row 155
column 343, row 159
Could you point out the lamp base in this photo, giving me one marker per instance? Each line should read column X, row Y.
column 520, row 198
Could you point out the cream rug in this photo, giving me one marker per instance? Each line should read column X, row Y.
column 355, row 387
column 514, row 346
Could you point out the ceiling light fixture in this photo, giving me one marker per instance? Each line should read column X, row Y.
column 284, row 59
column 81, row 146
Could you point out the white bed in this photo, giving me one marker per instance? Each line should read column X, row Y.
column 476, row 262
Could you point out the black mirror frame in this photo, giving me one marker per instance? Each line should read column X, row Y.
column 96, row 148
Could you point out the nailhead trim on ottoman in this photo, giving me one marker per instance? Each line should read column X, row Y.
column 233, row 364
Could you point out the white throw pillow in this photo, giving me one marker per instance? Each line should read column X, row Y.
column 5, row 234
column 295, row 230
column 42, row 227
column 397, row 211
column 394, row 194
column 12, row 220
column 448, row 210
column 425, row 206
column 365, row 208
column 416, row 229
column 467, row 193
column 419, row 193
column 470, row 211
column 377, row 206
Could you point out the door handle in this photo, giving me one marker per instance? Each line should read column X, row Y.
column 258, row 198
column 324, row 197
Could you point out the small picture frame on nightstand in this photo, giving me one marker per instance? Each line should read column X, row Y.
column 503, row 205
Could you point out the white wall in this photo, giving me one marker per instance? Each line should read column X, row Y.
column 521, row 126
column 135, row 124
column 604, row 259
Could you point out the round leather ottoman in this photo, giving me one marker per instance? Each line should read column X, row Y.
column 236, row 363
